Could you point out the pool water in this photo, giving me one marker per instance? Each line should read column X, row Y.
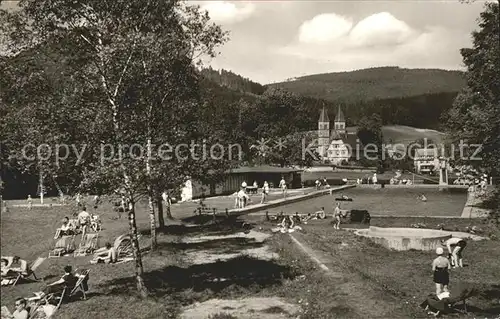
column 387, row 201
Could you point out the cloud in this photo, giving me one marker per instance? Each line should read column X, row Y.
column 228, row 12
column 377, row 40
column 324, row 27
column 380, row 29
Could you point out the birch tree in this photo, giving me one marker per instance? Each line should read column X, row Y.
column 131, row 67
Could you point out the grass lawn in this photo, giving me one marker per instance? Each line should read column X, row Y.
column 386, row 201
column 407, row 275
column 367, row 277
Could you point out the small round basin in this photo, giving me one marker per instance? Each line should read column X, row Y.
column 405, row 238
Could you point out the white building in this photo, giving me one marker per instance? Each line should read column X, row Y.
column 426, row 160
column 333, row 146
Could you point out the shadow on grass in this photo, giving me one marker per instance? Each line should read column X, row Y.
column 243, row 272
column 204, row 225
column 226, row 244
column 479, row 311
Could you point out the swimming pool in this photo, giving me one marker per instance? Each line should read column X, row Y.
column 387, row 201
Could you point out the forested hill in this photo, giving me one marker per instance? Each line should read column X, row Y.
column 233, row 81
column 375, row 84
column 413, row 97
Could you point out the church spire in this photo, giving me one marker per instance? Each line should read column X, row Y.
column 340, row 116
column 323, row 117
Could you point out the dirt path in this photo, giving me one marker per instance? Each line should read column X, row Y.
column 209, row 249
column 247, row 308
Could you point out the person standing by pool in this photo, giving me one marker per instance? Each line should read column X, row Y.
column 30, row 202
column 243, row 198
column 265, row 192
column 440, row 267
column 456, row 246
column 282, row 185
column 336, row 216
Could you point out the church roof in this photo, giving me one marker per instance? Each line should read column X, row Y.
column 334, row 135
column 340, row 116
column 323, row 117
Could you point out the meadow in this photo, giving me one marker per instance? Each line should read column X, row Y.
column 368, row 280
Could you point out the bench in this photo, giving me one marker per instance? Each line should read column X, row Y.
column 205, row 210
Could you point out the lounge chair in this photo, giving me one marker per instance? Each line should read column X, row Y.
column 68, row 292
column 449, row 305
column 30, row 272
column 95, row 223
column 88, row 244
column 63, row 245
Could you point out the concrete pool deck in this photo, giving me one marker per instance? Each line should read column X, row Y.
column 285, row 201
column 471, row 209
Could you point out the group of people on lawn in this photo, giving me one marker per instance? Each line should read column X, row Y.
column 82, row 223
column 67, row 281
column 289, row 224
column 15, row 265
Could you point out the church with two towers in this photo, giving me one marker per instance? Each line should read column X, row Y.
column 334, row 145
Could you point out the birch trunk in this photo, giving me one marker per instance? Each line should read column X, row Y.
column 161, row 219
column 139, row 270
column 152, row 219
column 169, row 212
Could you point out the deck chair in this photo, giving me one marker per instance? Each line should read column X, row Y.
column 123, row 246
column 449, row 305
column 63, row 245
column 69, row 292
column 31, row 271
column 88, row 244
column 95, row 223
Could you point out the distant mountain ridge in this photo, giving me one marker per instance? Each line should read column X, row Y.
column 374, row 84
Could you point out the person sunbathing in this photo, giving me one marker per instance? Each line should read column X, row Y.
column 320, row 214
column 66, row 229
column 422, row 197
column 7, row 274
column 14, row 264
column 21, row 311
column 106, row 255
column 297, row 219
column 67, row 280
column 5, row 268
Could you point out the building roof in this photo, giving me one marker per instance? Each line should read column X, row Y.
column 323, row 117
column 426, row 152
column 264, row 169
column 340, row 116
column 334, row 135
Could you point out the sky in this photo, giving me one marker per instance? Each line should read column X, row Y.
column 271, row 41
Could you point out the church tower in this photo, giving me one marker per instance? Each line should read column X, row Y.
column 339, row 122
column 323, row 132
